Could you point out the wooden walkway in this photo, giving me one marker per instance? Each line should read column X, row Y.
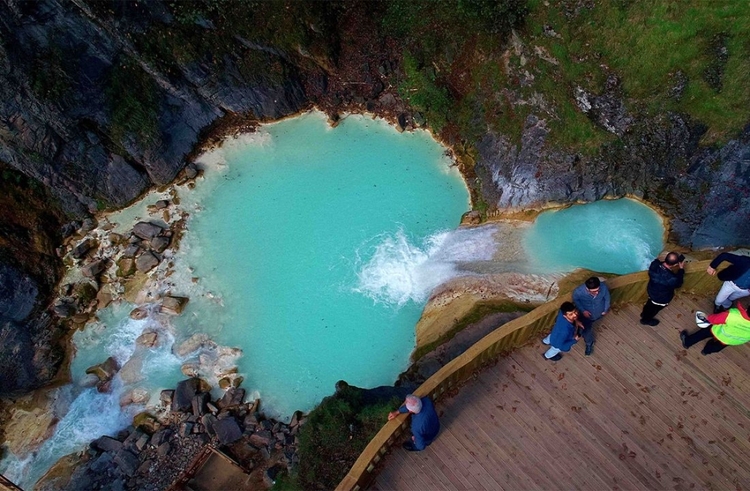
column 640, row 413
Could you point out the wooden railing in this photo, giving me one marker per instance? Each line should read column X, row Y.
column 624, row 289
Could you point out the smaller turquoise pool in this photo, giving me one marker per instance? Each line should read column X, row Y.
column 618, row 236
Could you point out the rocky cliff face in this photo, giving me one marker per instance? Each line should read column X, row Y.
column 102, row 101
column 64, row 131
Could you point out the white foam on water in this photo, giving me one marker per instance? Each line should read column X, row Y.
column 400, row 271
column 91, row 415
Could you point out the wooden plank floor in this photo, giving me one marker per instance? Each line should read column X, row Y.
column 641, row 413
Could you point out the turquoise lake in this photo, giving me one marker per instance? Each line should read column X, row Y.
column 309, row 254
column 312, row 236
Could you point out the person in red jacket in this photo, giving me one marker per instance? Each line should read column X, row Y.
column 728, row 328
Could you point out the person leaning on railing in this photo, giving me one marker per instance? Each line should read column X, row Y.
column 729, row 328
column 736, row 279
column 425, row 424
column 664, row 277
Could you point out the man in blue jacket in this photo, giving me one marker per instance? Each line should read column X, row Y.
column 664, row 277
column 425, row 424
column 736, row 279
column 592, row 300
column 563, row 335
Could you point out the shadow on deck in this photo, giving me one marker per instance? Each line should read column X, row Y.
column 640, row 413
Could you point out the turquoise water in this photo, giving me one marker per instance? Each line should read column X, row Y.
column 312, row 251
column 618, row 236
column 297, row 239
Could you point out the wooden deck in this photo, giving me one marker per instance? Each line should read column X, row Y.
column 641, row 413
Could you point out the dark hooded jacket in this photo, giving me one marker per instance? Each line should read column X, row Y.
column 662, row 282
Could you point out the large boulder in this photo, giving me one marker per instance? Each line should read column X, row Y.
column 147, row 230
column 184, row 393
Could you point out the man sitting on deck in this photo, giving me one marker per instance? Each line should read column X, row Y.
column 424, row 421
column 728, row 328
column 563, row 335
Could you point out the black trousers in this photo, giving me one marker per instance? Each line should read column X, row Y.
column 712, row 346
column 650, row 309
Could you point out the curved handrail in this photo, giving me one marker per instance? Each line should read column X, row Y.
column 623, row 289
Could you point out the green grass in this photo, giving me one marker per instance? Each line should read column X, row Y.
column 334, row 435
column 647, row 42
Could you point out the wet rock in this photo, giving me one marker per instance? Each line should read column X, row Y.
column 193, row 343
column 142, row 442
column 64, row 309
column 166, row 396
column 88, row 380
column 115, row 238
column 199, row 403
column 146, row 262
column 184, row 393
column 173, row 305
column 160, row 436
column 419, row 119
column 85, row 292
column 88, row 225
column 147, row 230
column 163, row 449
column 80, row 250
column 159, row 244
column 190, row 368
column 186, row 429
column 126, row 266
column 208, row 421
column 261, row 438
column 107, row 444
column 233, row 397
column 131, row 251
column 295, row 419
column 139, row 313
column 102, row 463
column 126, row 461
column 227, row 431
column 135, row 396
column 103, row 299
column 147, row 339
column 191, row 171
column 69, row 229
column 106, row 370
column 161, row 204
column 146, row 422
column 472, row 217
column 132, row 371
column 93, row 269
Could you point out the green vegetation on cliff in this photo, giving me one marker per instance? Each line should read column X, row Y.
column 468, row 75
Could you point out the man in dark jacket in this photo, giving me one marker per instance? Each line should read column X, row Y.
column 736, row 279
column 664, row 277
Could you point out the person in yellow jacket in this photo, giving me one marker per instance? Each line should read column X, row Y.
column 729, row 328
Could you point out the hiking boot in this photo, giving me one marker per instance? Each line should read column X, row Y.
column 650, row 322
column 589, row 349
column 718, row 309
column 557, row 357
column 683, row 339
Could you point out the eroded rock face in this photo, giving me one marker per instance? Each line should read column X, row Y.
column 704, row 190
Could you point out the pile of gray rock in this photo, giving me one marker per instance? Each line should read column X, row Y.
column 155, row 451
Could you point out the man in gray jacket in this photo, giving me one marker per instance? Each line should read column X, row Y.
column 592, row 300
